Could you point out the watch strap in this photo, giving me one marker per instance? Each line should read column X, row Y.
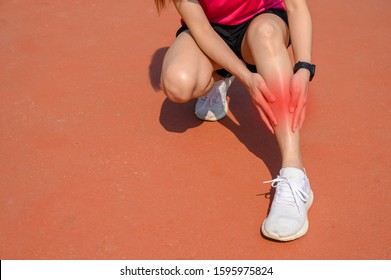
column 310, row 67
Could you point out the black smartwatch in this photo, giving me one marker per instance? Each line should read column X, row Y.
column 310, row 67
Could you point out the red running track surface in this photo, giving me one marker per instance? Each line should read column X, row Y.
column 96, row 163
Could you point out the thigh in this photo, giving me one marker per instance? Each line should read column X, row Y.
column 185, row 60
column 265, row 33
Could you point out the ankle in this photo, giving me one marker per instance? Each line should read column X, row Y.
column 301, row 167
column 297, row 165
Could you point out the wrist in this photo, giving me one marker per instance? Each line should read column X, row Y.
column 303, row 66
column 244, row 77
column 304, row 72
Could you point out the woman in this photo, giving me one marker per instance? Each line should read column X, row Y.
column 248, row 40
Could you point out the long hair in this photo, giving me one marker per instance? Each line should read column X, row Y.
column 161, row 4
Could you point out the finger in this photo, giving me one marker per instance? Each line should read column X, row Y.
column 266, row 92
column 295, row 93
column 297, row 114
column 266, row 121
column 261, row 103
column 302, row 117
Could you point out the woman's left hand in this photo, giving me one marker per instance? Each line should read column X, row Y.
column 298, row 102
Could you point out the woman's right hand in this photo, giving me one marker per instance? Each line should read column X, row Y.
column 261, row 96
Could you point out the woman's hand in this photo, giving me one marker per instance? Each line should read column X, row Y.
column 297, row 105
column 261, row 97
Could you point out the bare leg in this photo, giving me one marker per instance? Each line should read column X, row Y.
column 187, row 72
column 265, row 46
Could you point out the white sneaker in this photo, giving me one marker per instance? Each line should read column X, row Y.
column 214, row 106
column 288, row 219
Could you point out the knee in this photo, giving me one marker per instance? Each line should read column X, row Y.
column 266, row 34
column 178, row 85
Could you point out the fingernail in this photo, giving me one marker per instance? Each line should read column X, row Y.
column 291, row 109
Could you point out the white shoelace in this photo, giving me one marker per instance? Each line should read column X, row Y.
column 290, row 194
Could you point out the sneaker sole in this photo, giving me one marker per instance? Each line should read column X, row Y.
column 298, row 234
column 211, row 119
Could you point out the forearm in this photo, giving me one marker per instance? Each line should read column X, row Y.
column 300, row 25
column 218, row 51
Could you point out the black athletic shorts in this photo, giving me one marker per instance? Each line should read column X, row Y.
column 233, row 35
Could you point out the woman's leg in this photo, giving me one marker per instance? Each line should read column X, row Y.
column 265, row 45
column 187, row 72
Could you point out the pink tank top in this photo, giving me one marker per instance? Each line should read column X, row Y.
column 232, row 12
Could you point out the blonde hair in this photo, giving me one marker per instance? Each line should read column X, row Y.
column 161, row 4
